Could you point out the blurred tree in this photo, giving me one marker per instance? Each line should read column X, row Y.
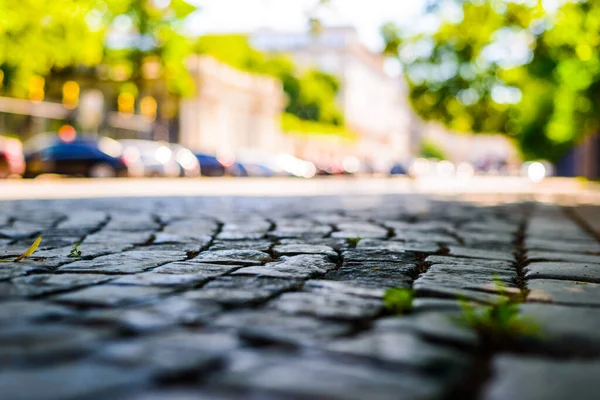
column 311, row 94
column 234, row 50
column 430, row 149
column 509, row 66
column 37, row 36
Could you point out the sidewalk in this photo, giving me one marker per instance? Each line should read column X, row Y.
column 276, row 298
column 495, row 188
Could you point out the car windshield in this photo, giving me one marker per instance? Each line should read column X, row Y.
column 150, row 152
column 110, row 146
column 39, row 142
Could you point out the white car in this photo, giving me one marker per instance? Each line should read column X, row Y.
column 152, row 158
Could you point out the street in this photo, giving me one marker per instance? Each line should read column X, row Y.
column 286, row 296
column 478, row 188
column 309, row 199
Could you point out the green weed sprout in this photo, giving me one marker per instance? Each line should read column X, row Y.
column 353, row 241
column 75, row 252
column 498, row 322
column 398, row 300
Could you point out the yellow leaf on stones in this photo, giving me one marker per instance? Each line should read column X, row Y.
column 28, row 252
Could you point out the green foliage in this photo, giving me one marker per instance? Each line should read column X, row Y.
column 38, row 37
column 353, row 241
column 398, row 300
column 498, row 322
column 234, row 50
column 466, row 74
column 313, row 98
column 293, row 124
column 75, row 252
column 431, row 150
column 311, row 93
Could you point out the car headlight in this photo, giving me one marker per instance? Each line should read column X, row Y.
column 186, row 159
column 163, row 154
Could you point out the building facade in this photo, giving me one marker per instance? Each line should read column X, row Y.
column 582, row 160
column 375, row 105
column 232, row 111
column 481, row 150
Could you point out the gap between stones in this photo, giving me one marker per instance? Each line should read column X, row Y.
column 480, row 371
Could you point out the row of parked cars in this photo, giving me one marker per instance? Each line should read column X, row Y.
column 68, row 153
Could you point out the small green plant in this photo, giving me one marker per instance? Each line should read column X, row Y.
column 75, row 252
column 499, row 322
column 353, row 241
column 398, row 300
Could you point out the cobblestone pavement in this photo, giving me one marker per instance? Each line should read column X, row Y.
column 265, row 298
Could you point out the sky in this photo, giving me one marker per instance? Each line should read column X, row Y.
column 219, row 16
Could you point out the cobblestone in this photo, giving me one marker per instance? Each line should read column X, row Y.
column 243, row 290
column 110, row 295
column 536, row 255
column 522, row 378
column 565, row 330
column 277, row 327
column 41, row 284
column 295, row 249
column 301, row 267
column 564, row 270
column 160, row 315
column 328, row 305
column 245, row 257
column 169, row 353
column 128, row 262
column 400, row 347
column 437, row 326
column 68, row 381
column 254, row 298
column 564, row 292
column 27, row 344
column 321, row 377
column 26, row 310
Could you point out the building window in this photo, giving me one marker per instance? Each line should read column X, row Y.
column 329, row 62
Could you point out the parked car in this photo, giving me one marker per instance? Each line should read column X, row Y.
column 329, row 168
column 398, row 169
column 74, row 154
column 154, row 159
column 294, row 166
column 210, row 165
column 12, row 160
column 236, row 169
column 259, row 170
column 187, row 161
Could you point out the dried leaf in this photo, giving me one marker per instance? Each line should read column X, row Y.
column 30, row 250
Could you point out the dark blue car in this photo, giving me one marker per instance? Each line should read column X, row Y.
column 77, row 155
column 398, row 169
column 209, row 165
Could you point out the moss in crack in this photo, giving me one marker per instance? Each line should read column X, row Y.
column 399, row 301
column 353, row 241
column 499, row 324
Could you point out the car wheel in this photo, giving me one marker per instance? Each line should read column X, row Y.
column 102, row 170
column 4, row 169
